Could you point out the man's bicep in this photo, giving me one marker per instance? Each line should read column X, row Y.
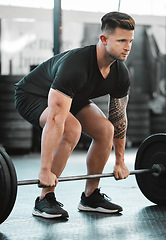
column 117, row 116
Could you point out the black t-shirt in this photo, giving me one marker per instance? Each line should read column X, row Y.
column 76, row 74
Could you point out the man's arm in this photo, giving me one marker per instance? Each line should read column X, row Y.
column 118, row 117
column 58, row 110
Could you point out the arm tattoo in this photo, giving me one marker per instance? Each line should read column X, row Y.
column 117, row 116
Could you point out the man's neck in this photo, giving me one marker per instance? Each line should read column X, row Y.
column 104, row 61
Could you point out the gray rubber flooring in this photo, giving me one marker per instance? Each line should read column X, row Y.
column 140, row 219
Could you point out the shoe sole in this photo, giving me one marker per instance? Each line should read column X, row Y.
column 98, row 209
column 37, row 213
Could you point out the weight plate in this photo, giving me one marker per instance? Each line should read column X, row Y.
column 152, row 151
column 10, row 187
column 5, row 185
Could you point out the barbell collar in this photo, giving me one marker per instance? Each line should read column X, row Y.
column 156, row 170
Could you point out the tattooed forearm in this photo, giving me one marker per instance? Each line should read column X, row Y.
column 117, row 116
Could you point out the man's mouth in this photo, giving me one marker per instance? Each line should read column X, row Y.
column 125, row 54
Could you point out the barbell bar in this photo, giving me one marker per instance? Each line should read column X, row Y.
column 156, row 169
column 150, row 172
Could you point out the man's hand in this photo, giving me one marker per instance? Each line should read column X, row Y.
column 121, row 171
column 47, row 179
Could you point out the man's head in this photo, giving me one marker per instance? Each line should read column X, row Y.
column 117, row 35
column 113, row 20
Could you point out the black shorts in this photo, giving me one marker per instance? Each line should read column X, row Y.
column 30, row 107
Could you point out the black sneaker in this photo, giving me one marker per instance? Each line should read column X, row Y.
column 48, row 207
column 98, row 202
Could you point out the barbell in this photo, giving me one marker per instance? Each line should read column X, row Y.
column 150, row 171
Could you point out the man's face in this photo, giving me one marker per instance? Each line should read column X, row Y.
column 118, row 43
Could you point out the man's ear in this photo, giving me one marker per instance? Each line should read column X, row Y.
column 103, row 39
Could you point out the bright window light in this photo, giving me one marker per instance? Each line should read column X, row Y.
column 29, row 3
column 91, row 5
column 140, row 7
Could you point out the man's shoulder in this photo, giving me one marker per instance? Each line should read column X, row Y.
column 76, row 58
column 80, row 52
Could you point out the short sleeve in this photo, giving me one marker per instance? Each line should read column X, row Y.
column 66, row 79
column 71, row 73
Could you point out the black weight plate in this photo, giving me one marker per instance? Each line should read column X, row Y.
column 5, row 188
column 152, row 151
column 12, row 179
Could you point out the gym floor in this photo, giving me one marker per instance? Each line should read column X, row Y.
column 140, row 219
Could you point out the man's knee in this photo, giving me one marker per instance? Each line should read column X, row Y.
column 72, row 131
column 105, row 132
column 108, row 131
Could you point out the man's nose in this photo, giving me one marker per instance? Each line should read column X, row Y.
column 127, row 46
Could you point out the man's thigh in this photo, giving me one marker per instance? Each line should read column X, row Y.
column 93, row 120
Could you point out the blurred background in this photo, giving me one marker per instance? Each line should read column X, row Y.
column 33, row 31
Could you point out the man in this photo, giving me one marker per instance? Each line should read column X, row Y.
column 56, row 97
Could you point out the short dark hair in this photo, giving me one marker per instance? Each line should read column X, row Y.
column 112, row 20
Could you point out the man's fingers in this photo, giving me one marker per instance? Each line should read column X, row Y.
column 120, row 176
column 40, row 185
column 116, row 176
